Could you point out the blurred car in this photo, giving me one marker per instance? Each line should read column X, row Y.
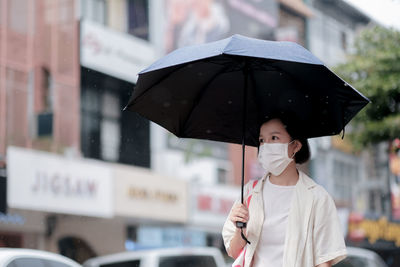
column 170, row 257
column 360, row 257
column 18, row 257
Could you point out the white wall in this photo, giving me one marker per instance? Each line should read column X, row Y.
column 171, row 162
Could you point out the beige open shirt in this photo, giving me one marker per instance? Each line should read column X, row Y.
column 313, row 234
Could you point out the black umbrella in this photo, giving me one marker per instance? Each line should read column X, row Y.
column 222, row 90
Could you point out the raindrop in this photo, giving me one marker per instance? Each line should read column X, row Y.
column 190, row 65
column 230, row 102
column 290, row 100
column 269, row 94
column 267, row 117
column 327, row 102
column 200, row 74
column 306, row 96
column 345, row 84
column 327, row 96
column 208, row 131
column 184, row 102
column 280, row 73
column 166, row 104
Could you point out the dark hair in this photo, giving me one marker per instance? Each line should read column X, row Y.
column 294, row 130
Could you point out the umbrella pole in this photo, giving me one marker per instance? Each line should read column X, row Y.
column 244, row 112
column 242, row 225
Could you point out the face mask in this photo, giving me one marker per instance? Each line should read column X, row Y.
column 274, row 157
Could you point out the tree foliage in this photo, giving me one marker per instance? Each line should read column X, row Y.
column 374, row 70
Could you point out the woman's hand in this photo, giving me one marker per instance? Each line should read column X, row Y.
column 239, row 213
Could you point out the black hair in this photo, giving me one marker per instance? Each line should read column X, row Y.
column 293, row 127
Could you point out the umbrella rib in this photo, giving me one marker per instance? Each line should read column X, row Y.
column 253, row 92
column 133, row 101
column 201, row 95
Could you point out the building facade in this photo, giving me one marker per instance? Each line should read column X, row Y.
column 331, row 33
column 39, row 96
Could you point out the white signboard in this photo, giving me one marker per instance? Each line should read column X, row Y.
column 51, row 183
column 146, row 195
column 114, row 53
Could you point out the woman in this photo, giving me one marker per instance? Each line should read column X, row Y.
column 291, row 221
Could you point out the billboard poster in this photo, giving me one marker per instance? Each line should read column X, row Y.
column 190, row 22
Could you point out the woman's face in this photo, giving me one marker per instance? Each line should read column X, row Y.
column 273, row 131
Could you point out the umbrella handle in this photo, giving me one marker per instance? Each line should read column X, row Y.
column 241, row 224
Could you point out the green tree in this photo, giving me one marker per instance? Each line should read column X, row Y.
column 374, row 69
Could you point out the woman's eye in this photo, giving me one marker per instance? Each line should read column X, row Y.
column 274, row 138
column 261, row 141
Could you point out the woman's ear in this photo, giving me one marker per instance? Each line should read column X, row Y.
column 298, row 146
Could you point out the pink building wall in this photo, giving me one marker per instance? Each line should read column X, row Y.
column 38, row 37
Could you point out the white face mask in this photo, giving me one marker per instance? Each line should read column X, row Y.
column 274, row 157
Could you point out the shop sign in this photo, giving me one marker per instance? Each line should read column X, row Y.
column 394, row 163
column 140, row 193
column 22, row 221
column 211, row 204
column 114, row 53
column 374, row 230
column 51, row 183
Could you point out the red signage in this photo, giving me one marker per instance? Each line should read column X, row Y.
column 214, row 204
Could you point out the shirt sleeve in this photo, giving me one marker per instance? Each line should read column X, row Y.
column 328, row 236
column 229, row 229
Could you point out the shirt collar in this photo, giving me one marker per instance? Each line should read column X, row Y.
column 304, row 181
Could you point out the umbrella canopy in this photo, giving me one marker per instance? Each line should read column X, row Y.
column 207, row 91
column 224, row 90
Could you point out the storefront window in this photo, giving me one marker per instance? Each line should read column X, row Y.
column 107, row 132
column 18, row 19
column 94, row 10
column 138, row 18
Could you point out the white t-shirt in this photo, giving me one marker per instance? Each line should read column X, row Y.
column 277, row 200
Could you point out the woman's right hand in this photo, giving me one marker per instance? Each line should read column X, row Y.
column 239, row 213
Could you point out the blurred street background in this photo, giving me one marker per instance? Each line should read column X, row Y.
column 81, row 177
